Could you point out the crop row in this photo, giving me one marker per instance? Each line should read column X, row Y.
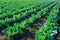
column 46, row 13
column 14, row 19
column 18, row 11
column 17, row 28
column 48, row 30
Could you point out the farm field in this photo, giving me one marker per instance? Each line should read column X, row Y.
column 29, row 20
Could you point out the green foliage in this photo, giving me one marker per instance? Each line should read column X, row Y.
column 48, row 27
column 17, row 15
